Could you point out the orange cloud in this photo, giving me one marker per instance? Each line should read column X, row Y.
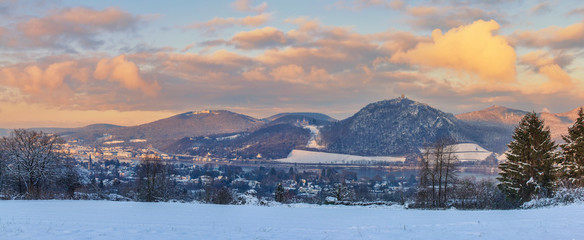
column 558, row 79
column 471, row 49
column 289, row 73
column 536, row 58
column 544, row 64
column 119, row 69
column 259, row 38
column 33, row 79
column 554, row 37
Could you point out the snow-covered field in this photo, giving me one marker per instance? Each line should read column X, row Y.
column 464, row 152
column 302, row 156
column 131, row 220
column 471, row 152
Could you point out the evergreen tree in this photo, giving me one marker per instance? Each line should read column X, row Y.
column 529, row 170
column 573, row 153
column 280, row 194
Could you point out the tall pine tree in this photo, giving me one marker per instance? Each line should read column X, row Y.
column 529, row 170
column 573, row 153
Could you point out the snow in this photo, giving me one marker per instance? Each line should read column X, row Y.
column 113, row 142
column 137, row 140
column 471, row 152
column 189, row 114
column 314, row 135
column 464, row 152
column 302, row 156
column 132, row 220
column 228, row 137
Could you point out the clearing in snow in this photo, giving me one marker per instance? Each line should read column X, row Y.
column 314, row 136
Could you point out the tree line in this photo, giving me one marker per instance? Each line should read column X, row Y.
column 536, row 168
column 35, row 165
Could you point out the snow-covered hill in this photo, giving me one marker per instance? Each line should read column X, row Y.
column 64, row 220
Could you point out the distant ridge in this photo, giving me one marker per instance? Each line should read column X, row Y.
column 495, row 115
column 188, row 124
column 392, row 127
column 312, row 115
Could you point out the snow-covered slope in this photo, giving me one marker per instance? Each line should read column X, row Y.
column 313, row 142
column 64, row 220
column 302, row 156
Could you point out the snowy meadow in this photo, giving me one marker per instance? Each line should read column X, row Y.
column 58, row 219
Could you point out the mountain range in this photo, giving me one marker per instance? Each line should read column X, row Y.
column 502, row 116
column 398, row 126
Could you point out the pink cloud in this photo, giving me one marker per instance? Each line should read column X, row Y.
column 431, row 17
column 33, row 79
column 219, row 23
column 259, row 38
column 541, row 8
column 127, row 73
column 576, row 11
column 295, row 74
column 571, row 36
column 246, row 6
column 361, row 4
column 550, row 67
column 75, row 24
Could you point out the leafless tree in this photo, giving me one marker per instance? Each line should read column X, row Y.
column 3, row 166
column 153, row 179
column 31, row 159
column 69, row 177
column 438, row 168
column 341, row 192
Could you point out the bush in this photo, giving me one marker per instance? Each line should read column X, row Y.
column 562, row 196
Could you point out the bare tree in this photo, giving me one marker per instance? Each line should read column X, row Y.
column 341, row 192
column 438, row 169
column 3, row 166
column 32, row 159
column 69, row 177
column 153, row 179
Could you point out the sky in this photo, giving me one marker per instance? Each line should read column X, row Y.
column 74, row 63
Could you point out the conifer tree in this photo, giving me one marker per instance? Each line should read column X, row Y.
column 280, row 194
column 529, row 170
column 573, row 153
